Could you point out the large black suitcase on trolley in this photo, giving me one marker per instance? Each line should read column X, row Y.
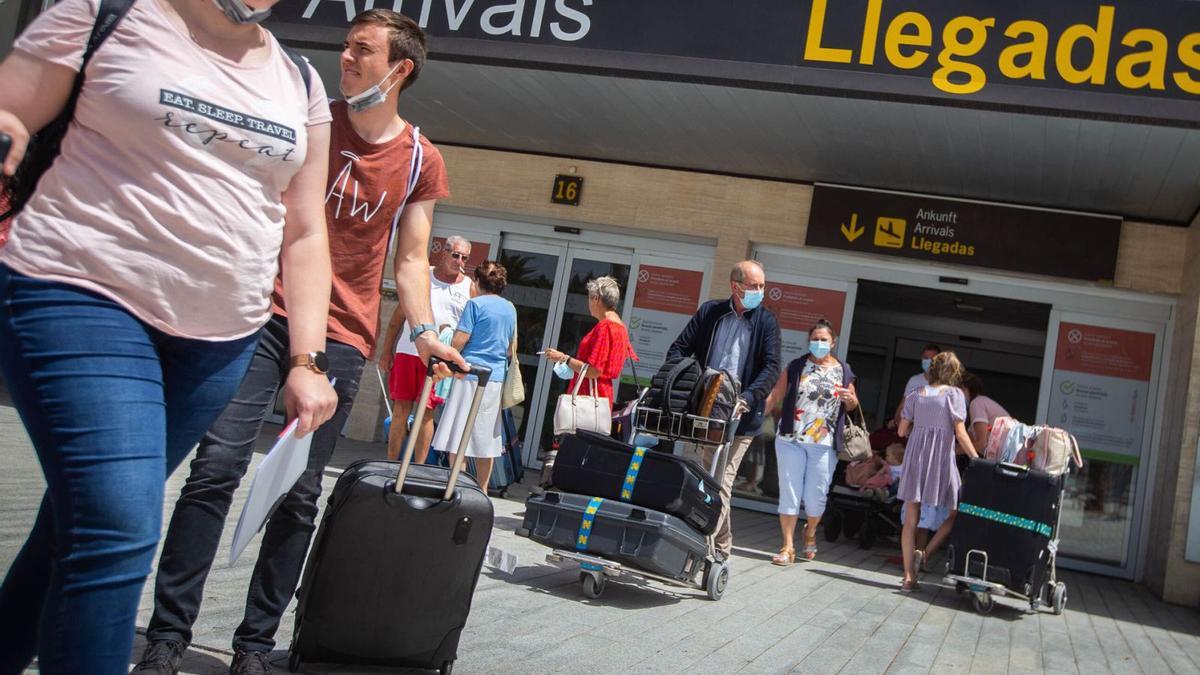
column 593, row 464
column 390, row 577
column 631, row 535
column 1010, row 513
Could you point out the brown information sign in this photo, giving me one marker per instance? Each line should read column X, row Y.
column 1038, row 241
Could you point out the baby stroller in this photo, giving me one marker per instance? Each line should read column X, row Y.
column 852, row 513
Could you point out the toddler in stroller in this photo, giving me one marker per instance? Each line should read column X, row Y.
column 862, row 501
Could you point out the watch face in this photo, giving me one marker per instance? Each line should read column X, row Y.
column 321, row 361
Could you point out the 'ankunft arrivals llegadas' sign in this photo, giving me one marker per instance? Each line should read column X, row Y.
column 983, row 234
column 1123, row 58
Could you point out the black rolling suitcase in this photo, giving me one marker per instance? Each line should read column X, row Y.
column 593, row 464
column 391, row 574
column 1007, row 517
column 628, row 534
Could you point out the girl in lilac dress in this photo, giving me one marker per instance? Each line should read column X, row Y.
column 933, row 420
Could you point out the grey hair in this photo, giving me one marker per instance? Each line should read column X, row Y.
column 455, row 240
column 606, row 289
column 738, row 273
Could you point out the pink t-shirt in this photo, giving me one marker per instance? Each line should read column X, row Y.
column 984, row 409
column 167, row 194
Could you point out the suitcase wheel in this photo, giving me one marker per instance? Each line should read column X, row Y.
column 983, row 602
column 592, row 584
column 716, row 578
column 1058, row 597
column 447, row 668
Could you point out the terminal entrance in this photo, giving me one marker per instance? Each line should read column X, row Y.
column 1082, row 358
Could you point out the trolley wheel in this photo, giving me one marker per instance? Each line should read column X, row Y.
column 293, row 661
column 716, row 579
column 447, row 668
column 592, row 584
column 833, row 525
column 1058, row 597
column 866, row 535
column 853, row 522
column 983, row 602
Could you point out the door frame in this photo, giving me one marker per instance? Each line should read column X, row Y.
column 567, row 252
column 1150, row 312
column 1132, row 563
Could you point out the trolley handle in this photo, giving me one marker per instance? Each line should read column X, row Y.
column 482, row 372
column 460, row 459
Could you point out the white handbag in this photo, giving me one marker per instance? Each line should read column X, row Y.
column 587, row 413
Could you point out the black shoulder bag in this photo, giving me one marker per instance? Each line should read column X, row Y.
column 44, row 145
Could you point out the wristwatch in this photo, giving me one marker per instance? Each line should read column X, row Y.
column 421, row 328
column 314, row 361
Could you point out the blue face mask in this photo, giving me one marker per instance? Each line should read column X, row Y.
column 819, row 348
column 371, row 97
column 564, row 371
column 925, row 363
column 752, row 299
column 241, row 13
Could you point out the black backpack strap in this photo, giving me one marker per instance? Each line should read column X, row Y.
column 301, row 64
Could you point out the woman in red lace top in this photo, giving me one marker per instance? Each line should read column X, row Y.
column 604, row 349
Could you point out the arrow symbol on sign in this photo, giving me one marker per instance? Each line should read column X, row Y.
column 854, row 231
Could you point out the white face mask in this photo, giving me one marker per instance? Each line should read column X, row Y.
column 239, row 12
column 373, row 96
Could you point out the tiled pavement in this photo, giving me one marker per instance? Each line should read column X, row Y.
column 840, row 614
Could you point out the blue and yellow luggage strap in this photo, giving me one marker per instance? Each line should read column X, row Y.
column 1006, row 519
column 585, row 526
column 635, row 465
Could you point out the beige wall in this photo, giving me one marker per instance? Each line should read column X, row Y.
column 737, row 213
column 1166, row 570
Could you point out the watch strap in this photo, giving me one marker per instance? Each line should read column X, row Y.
column 421, row 328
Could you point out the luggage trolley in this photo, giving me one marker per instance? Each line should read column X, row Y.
column 1050, row 592
column 667, row 427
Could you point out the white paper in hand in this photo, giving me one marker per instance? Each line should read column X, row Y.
column 272, row 481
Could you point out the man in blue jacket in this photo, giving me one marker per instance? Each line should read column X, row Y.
column 742, row 337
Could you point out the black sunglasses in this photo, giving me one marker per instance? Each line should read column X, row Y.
column 459, row 256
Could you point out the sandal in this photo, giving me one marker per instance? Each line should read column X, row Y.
column 910, row 586
column 918, row 562
column 785, row 557
column 809, row 552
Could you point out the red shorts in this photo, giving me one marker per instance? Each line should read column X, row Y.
column 407, row 377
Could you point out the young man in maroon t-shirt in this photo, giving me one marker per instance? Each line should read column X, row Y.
column 375, row 189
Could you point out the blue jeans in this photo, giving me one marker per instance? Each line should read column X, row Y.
column 112, row 406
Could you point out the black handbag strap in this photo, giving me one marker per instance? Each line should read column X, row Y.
column 107, row 18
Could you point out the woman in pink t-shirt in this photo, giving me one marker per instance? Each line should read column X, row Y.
column 135, row 280
column 982, row 410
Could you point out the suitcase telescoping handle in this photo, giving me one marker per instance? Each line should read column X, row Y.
column 483, row 373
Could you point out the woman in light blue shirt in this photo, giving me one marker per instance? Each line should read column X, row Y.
column 485, row 336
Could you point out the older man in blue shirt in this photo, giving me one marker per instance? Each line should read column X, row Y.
column 742, row 337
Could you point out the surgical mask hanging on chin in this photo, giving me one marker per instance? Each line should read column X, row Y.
column 239, row 12
column 819, row 348
column 371, row 97
column 752, row 299
column 925, row 363
column 564, row 371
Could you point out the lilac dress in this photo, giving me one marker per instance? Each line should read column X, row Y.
column 930, row 476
